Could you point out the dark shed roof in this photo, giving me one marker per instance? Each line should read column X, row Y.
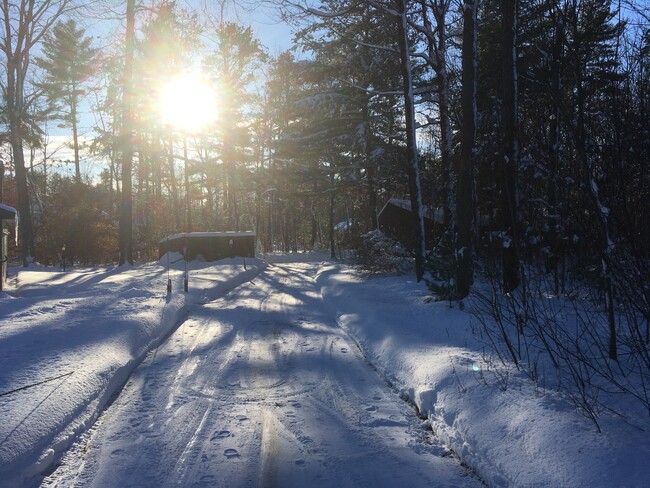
column 211, row 245
column 397, row 222
column 7, row 212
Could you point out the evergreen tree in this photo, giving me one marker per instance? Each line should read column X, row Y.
column 510, row 150
column 366, row 55
column 127, row 139
column 437, row 44
column 68, row 62
column 465, row 190
column 168, row 46
column 234, row 64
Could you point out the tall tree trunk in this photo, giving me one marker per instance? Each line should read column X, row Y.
column 446, row 135
column 230, row 199
column 510, row 157
column 370, row 165
column 372, row 197
column 114, row 176
column 437, row 49
column 465, row 190
column 188, row 202
column 553, row 219
column 174, row 187
column 14, row 91
column 413, row 170
column 314, row 221
column 271, row 237
column 14, row 111
column 599, row 210
column 126, row 209
column 156, row 162
column 75, row 139
column 331, row 217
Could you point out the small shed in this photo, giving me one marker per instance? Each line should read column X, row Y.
column 212, row 246
column 7, row 215
column 396, row 221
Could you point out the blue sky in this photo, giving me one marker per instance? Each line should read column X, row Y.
column 274, row 35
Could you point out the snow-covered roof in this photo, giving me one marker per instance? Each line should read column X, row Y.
column 7, row 208
column 196, row 235
column 399, row 202
column 435, row 215
column 341, row 226
column 7, row 212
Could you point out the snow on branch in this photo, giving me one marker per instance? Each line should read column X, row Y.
column 383, row 8
column 323, row 13
column 371, row 46
column 329, row 15
column 372, row 91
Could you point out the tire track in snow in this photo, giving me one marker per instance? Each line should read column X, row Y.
column 261, row 388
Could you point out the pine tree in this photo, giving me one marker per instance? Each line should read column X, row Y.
column 367, row 56
column 234, row 65
column 68, row 62
column 127, row 139
column 167, row 47
column 510, row 150
column 592, row 35
column 437, row 40
column 465, row 191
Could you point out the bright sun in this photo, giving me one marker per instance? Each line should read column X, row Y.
column 188, row 103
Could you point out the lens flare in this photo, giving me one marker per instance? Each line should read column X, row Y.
column 188, row 103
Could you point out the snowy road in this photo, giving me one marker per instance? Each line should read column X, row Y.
column 259, row 388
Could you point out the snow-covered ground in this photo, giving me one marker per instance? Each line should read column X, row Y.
column 76, row 336
column 260, row 388
column 69, row 341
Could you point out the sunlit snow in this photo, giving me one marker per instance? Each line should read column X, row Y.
column 293, row 373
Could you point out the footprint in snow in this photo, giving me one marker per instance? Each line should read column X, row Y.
column 231, row 453
column 344, row 350
column 118, row 453
column 222, row 434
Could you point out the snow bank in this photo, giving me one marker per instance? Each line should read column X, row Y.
column 69, row 341
column 510, row 432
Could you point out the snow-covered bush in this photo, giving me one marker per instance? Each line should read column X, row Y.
column 562, row 341
column 378, row 253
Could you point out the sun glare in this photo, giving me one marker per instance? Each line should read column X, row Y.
column 188, row 103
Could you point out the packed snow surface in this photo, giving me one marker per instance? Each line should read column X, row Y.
column 292, row 373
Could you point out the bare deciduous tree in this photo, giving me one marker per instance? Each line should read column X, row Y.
column 25, row 23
